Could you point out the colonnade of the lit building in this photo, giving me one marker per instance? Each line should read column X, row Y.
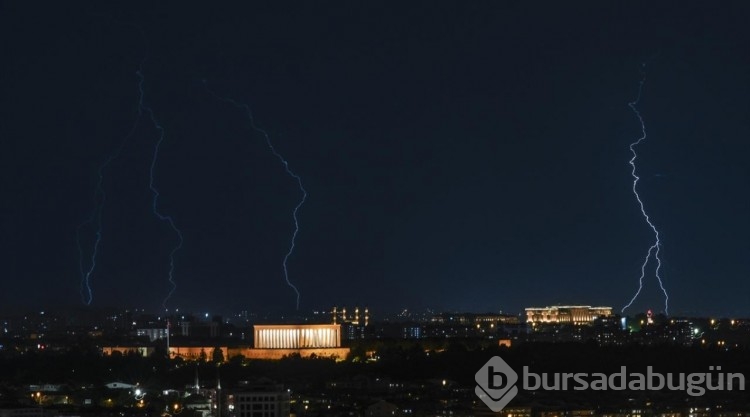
column 297, row 336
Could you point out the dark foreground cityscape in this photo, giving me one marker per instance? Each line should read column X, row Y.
column 354, row 362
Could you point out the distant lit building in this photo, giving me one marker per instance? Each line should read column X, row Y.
column 152, row 334
column 285, row 336
column 412, row 332
column 279, row 340
column 496, row 319
column 354, row 324
column 576, row 315
column 271, row 342
column 190, row 326
column 261, row 400
column 680, row 331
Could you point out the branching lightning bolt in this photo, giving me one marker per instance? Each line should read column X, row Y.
column 655, row 247
column 155, row 192
column 100, row 197
column 288, row 170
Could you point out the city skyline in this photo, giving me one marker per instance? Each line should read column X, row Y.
column 455, row 157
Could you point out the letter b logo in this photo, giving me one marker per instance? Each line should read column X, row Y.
column 495, row 379
column 496, row 383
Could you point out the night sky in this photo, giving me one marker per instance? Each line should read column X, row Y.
column 457, row 156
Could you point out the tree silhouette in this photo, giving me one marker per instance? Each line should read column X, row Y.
column 217, row 356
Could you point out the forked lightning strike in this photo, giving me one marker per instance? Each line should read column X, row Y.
column 155, row 192
column 656, row 246
column 100, row 197
column 288, row 170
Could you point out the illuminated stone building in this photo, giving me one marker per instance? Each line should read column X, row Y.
column 277, row 341
column 576, row 315
column 271, row 342
column 297, row 336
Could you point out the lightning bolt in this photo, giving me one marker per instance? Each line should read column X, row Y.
column 100, row 197
column 155, row 192
column 249, row 114
column 656, row 246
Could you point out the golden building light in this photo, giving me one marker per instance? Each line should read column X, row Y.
column 576, row 315
column 306, row 336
